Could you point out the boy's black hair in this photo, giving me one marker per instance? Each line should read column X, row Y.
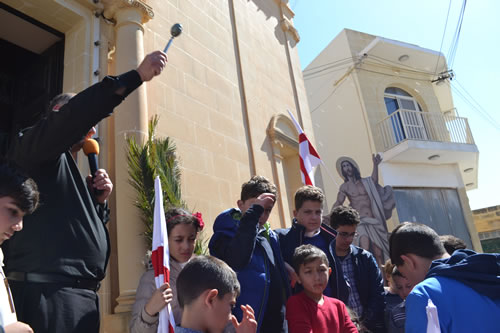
column 308, row 193
column 344, row 215
column 16, row 184
column 307, row 253
column 452, row 243
column 203, row 273
column 256, row 186
column 176, row 216
column 414, row 238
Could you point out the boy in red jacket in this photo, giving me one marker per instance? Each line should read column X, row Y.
column 310, row 311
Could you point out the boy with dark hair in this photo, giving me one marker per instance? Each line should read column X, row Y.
column 18, row 196
column 452, row 243
column 451, row 284
column 309, row 310
column 244, row 240
column 359, row 282
column 396, row 316
column 307, row 229
column 207, row 301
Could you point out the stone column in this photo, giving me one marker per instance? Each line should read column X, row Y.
column 130, row 119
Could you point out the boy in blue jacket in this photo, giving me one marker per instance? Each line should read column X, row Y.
column 465, row 288
column 243, row 239
column 308, row 229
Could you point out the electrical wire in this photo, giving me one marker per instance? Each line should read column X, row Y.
column 329, row 95
column 469, row 99
column 327, row 64
column 347, row 62
column 326, row 73
column 456, row 36
column 391, row 67
column 400, row 76
column 442, row 39
column 390, row 63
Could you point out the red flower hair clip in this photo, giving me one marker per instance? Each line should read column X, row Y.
column 200, row 219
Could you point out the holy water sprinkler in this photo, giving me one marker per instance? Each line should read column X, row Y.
column 175, row 31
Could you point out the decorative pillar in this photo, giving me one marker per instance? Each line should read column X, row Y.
column 130, row 119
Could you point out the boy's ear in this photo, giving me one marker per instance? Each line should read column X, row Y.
column 210, row 296
column 294, row 213
column 240, row 204
column 409, row 261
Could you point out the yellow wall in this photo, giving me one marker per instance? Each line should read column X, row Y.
column 233, row 70
column 487, row 219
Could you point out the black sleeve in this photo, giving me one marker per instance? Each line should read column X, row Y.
column 56, row 133
column 237, row 251
column 373, row 313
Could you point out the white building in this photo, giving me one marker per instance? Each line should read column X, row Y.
column 369, row 94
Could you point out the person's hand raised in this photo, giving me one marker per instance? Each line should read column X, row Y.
column 265, row 200
column 152, row 65
column 248, row 324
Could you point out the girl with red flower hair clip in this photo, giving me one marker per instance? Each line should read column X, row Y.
column 182, row 229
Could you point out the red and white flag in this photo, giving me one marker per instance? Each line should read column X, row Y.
column 161, row 258
column 309, row 157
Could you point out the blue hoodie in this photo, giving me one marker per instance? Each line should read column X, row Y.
column 465, row 289
column 256, row 257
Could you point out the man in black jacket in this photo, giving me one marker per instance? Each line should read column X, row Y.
column 56, row 264
column 359, row 281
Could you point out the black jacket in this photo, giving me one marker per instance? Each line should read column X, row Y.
column 66, row 235
column 293, row 237
column 369, row 284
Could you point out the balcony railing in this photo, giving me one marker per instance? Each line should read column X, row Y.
column 423, row 126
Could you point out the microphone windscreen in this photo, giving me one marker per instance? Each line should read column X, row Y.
column 91, row 146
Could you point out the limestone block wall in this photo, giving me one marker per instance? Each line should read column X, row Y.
column 228, row 75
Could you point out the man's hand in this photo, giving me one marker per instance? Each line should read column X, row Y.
column 152, row 65
column 377, row 159
column 18, row 327
column 160, row 298
column 101, row 182
column 248, row 324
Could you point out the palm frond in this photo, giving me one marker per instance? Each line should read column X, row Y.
column 156, row 157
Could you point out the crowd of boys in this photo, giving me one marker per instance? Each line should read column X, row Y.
column 306, row 278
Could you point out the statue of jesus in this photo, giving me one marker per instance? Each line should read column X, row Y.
column 373, row 202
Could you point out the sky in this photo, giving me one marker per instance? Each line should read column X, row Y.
column 423, row 23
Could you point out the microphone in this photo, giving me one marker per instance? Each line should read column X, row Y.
column 175, row 31
column 91, row 149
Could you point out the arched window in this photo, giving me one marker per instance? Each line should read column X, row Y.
column 405, row 117
column 284, row 140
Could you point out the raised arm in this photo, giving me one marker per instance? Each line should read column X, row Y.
column 377, row 159
column 238, row 250
column 56, row 133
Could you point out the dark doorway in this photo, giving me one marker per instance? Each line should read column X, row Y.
column 28, row 79
column 439, row 208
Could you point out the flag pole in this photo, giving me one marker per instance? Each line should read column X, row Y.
column 300, row 130
column 329, row 173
